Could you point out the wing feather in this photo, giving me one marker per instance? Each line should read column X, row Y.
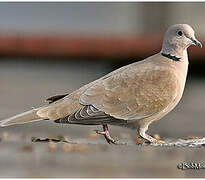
column 133, row 95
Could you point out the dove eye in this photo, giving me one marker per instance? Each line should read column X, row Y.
column 179, row 33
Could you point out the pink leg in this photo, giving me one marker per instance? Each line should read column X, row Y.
column 142, row 133
column 106, row 134
column 150, row 138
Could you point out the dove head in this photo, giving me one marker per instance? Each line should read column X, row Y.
column 178, row 38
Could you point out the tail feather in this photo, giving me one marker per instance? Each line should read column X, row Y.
column 22, row 118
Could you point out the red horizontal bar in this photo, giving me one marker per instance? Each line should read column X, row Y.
column 86, row 47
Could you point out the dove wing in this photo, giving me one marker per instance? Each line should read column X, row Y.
column 133, row 94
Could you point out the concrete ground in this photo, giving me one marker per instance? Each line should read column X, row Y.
column 26, row 83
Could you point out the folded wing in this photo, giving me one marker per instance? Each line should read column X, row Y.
column 133, row 94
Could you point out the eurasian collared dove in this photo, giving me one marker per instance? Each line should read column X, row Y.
column 132, row 96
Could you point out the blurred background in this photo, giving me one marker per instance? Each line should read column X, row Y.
column 55, row 48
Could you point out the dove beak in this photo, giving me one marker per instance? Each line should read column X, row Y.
column 196, row 42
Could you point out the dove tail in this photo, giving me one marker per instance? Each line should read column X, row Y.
column 22, row 118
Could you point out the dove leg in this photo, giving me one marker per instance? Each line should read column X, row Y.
column 142, row 133
column 106, row 134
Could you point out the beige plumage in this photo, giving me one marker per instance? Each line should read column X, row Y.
column 133, row 96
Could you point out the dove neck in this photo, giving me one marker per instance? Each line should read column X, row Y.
column 174, row 53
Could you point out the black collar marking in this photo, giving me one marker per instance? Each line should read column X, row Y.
column 174, row 58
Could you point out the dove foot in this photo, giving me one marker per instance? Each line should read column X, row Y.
column 143, row 141
column 107, row 136
column 150, row 140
